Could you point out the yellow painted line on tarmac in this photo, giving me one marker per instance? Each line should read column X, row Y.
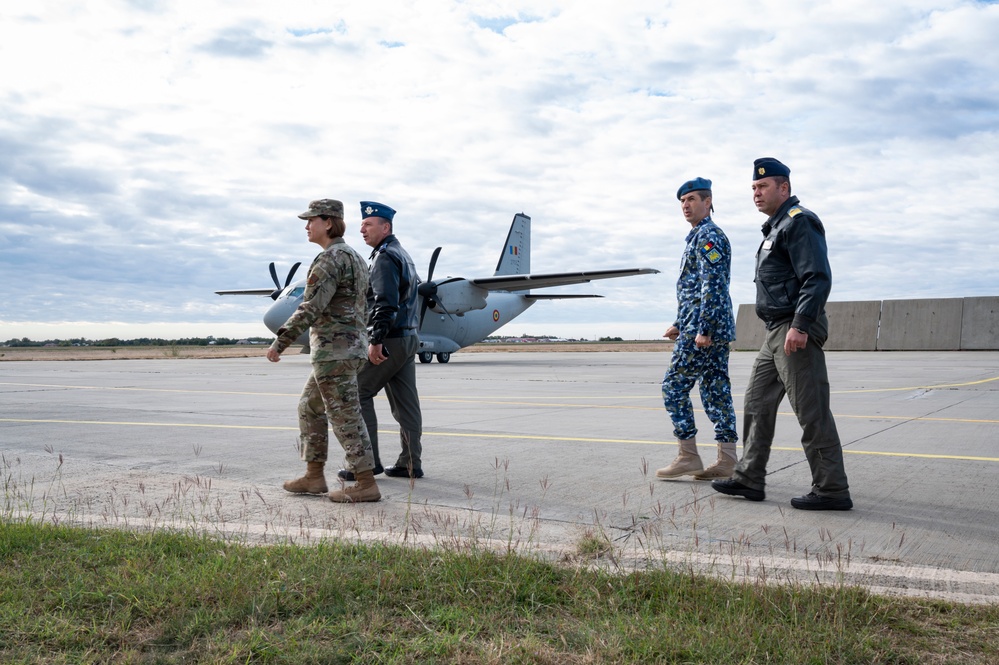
column 473, row 435
column 931, row 387
column 569, row 405
column 142, row 424
column 150, row 390
column 507, row 402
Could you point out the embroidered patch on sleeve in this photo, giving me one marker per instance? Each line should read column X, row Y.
column 710, row 253
column 794, row 211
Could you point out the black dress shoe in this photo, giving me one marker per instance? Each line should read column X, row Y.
column 813, row 501
column 346, row 474
column 403, row 472
column 736, row 488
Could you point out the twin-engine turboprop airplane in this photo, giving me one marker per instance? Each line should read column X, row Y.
column 464, row 311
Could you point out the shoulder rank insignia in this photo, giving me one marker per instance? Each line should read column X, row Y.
column 794, row 211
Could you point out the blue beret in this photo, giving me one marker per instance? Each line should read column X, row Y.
column 695, row 185
column 372, row 209
column 767, row 167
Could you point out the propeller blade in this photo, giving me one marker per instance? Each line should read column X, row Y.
column 423, row 310
column 291, row 273
column 428, row 289
column 433, row 262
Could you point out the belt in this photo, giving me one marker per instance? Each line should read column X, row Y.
column 401, row 332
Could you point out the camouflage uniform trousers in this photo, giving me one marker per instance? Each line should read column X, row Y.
column 330, row 400
column 708, row 367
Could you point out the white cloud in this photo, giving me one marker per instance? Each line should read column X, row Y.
column 154, row 152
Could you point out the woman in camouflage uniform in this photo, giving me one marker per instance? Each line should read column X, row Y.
column 335, row 312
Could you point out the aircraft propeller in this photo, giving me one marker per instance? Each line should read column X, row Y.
column 428, row 289
column 291, row 273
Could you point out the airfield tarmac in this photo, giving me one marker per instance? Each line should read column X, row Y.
column 540, row 453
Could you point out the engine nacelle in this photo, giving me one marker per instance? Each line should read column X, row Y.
column 458, row 297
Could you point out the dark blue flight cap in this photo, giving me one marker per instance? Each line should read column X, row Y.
column 767, row 167
column 373, row 209
column 695, row 185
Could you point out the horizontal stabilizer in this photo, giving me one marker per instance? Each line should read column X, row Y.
column 543, row 281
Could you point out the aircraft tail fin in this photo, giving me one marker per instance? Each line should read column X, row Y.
column 516, row 256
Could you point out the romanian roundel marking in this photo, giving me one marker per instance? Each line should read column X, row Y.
column 495, row 315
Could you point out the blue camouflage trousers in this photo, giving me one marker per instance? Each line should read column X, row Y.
column 330, row 400
column 708, row 367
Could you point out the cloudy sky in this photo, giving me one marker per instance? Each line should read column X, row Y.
column 154, row 151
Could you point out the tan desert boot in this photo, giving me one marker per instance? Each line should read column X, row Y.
column 313, row 482
column 365, row 489
column 724, row 467
column 687, row 462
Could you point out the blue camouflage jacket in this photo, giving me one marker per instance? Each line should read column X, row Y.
column 704, row 306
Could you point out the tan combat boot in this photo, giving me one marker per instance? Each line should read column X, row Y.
column 724, row 467
column 365, row 489
column 687, row 462
column 313, row 482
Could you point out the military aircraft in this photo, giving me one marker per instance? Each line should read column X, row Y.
column 464, row 311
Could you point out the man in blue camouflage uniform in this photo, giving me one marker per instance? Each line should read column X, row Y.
column 393, row 327
column 793, row 281
column 703, row 329
column 334, row 310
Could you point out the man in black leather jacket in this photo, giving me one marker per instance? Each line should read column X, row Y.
column 393, row 327
column 793, row 281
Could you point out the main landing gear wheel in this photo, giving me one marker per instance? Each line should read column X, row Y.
column 443, row 357
column 426, row 356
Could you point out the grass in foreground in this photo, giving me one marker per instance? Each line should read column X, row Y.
column 72, row 595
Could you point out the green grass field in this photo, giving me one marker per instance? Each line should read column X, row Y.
column 86, row 595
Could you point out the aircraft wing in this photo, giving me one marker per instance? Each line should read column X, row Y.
column 246, row 292
column 549, row 296
column 545, row 280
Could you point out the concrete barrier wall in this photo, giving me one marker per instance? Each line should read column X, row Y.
column 921, row 325
column 853, row 326
column 980, row 324
column 749, row 330
column 931, row 324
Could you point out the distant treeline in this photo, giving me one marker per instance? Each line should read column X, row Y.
column 141, row 341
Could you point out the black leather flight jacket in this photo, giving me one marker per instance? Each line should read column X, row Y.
column 793, row 276
column 392, row 300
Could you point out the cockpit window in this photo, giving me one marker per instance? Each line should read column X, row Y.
column 296, row 292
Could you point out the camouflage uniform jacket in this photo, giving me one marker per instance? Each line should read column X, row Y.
column 793, row 277
column 333, row 306
column 704, row 306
